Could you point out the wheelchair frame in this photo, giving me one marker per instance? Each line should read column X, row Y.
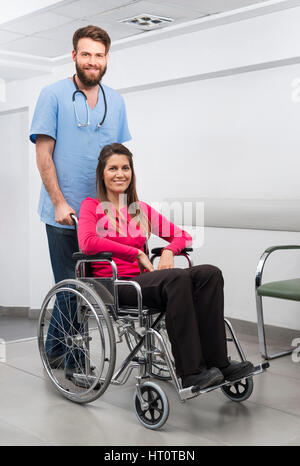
column 150, row 353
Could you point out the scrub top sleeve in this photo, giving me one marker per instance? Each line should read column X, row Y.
column 123, row 132
column 45, row 116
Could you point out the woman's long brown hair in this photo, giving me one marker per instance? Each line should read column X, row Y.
column 140, row 217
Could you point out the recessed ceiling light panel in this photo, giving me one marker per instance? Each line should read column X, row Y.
column 147, row 22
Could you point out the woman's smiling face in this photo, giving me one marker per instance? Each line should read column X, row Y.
column 117, row 174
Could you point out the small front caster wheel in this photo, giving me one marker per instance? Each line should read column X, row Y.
column 239, row 391
column 156, row 413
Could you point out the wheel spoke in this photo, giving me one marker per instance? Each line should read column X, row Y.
column 152, row 414
column 160, row 410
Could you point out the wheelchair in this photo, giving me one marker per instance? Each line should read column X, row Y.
column 82, row 317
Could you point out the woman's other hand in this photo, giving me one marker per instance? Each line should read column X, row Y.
column 166, row 260
column 144, row 262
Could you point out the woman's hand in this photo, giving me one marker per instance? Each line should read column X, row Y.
column 166, row 260
column 144, row 262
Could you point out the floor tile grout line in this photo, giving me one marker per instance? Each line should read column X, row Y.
column 26, row 431
column 22, row 370
column 283, row 376
column 296, row 416
column 21, row 340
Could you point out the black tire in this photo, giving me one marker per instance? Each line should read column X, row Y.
column 239, row 391
column 154, row 416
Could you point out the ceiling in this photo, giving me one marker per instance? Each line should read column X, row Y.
column 48, row 32
column 32, row 43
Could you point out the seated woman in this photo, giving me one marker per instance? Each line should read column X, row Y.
column 192, row 297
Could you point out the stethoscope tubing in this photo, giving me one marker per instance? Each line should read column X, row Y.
column 78, row 91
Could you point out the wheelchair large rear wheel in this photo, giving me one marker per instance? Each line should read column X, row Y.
column 77, row 341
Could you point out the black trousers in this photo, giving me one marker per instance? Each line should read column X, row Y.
column 194, row 313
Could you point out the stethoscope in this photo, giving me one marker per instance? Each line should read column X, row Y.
column 79, row 124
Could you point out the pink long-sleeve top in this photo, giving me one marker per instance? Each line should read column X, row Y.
column 96, row 233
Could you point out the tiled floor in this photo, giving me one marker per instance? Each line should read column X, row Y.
column 32, row 412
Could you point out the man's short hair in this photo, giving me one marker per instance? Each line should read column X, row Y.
column 92, row 32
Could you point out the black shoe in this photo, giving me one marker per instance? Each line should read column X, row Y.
column 237, row 370
column 206, row 378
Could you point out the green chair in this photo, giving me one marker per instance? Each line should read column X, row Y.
column 285, row 289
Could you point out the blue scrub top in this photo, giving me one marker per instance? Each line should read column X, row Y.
column 76, row 149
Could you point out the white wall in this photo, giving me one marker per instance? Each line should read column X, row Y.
column 14, row 207
column 231, row 137
column 214, row 105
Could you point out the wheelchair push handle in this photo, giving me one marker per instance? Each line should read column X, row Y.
column 75, row 221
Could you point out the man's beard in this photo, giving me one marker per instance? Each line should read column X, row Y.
column 89, row 81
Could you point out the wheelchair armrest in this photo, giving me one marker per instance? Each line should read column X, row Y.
column 100, row 255
column 158, row 251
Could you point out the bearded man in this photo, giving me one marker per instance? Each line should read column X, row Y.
column 73, row 119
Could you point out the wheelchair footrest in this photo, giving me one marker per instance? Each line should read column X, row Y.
column 192, row 392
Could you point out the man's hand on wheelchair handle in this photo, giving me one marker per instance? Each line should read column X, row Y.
column 62, row 214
